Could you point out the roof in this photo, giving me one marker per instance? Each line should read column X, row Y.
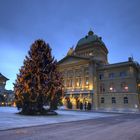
column 90, row 38
column 72, row 56
column 120, row 64
column 3, row 77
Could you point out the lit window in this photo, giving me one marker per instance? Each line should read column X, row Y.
column 125, row 100
column 86, row 81
column 78, row 82
column 113, row 100
column 112, row 88
column 124, row 87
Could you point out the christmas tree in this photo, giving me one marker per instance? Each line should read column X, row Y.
column 38, row 82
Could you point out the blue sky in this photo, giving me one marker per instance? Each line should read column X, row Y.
column 61, row 23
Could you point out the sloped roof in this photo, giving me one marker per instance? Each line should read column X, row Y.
column 72, row 56
column 3, row 77
column 120, row 64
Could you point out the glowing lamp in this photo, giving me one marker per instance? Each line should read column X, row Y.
column 126, row 87
column 111, row 88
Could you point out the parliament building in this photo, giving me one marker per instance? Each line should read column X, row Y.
column 92, row 83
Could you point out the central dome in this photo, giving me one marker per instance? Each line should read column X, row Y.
column 90, row 38
column 92, row 46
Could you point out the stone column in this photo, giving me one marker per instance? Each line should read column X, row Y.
column 83, row 78
column 93, row 84
column 74, row 76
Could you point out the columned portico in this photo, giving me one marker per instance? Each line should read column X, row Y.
column 78, row 99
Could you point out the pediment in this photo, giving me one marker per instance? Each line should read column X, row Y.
column 71, row 60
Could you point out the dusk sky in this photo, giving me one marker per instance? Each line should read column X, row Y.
column 61, row 23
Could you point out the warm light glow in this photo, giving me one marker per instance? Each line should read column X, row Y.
column 2, row 103
column 14, row 104
column 126, row 87
column 77, row 84
column 86, row 82
column 111, row 88
column 90, row 53
column 90, row 87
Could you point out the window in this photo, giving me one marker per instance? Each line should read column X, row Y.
column 123, row 74
column 102, row 88
column 86, row 71
column 101, row 76
column 112, row 87
column 78, row 82
column 102, row 100
column 111, row 75
column 86, row 81
column 125, row 100
column 124, row 87
column 70, row 84
column 113, row 100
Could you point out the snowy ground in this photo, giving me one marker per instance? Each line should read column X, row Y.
column 9, row 119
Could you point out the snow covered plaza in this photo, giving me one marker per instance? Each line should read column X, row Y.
column 9, row 118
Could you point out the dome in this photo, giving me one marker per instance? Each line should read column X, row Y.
column 90, row 38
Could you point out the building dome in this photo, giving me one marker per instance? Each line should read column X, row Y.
column 90, row 38
column 92, row 46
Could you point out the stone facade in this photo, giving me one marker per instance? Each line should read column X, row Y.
column 3, row 80
column 90, row 82
column 6, row 96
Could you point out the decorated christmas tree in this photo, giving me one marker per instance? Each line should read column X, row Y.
column 38, row 82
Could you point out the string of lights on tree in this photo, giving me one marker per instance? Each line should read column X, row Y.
column 38, row 82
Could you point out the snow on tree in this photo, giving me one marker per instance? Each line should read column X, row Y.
column 38, row 83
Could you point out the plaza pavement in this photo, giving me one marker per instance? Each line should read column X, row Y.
column 117, row 127
column 9, row 118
